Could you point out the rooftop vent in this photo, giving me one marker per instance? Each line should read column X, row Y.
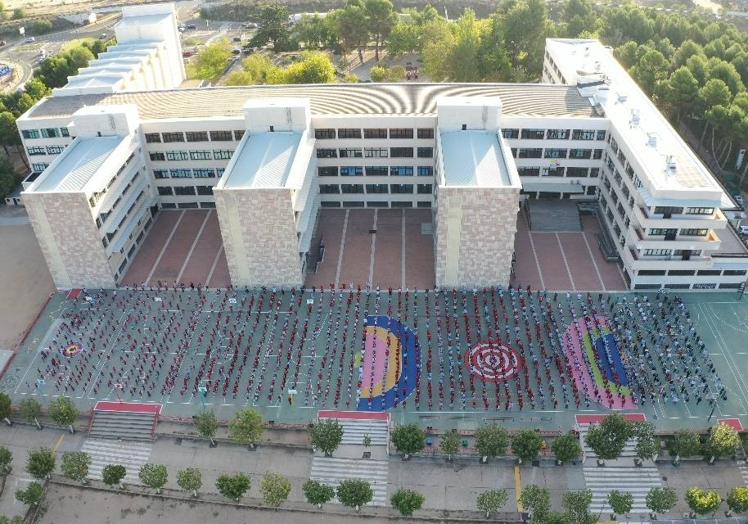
column 635, row 119
column 670, row 164
column 652, row 140
column 622, row 98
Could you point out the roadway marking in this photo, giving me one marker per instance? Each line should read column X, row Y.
column 342, row 248
column 535, row 256
column 518, row 488
column 58, row 443
column 163, row 249
column 213, row 266
column 566, row 263
column 192, row 247
column 594, row 262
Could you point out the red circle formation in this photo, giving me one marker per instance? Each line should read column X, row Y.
column 71, row 350
column 493, row 362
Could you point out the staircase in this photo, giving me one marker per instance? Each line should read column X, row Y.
column 124, row 421
column 132, row 455
column 620, row 474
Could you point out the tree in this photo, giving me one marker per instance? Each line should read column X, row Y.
column 353, row 28
column 211, row 61
column 312, row 31
column 526, row 28
column 404, row 38
column 326, row 436
column 31, row 410
column 19, row 13
column 41, row 463
column 9, row 137
column 467, row 44
column 257, row 69
column 686, row 444
column 15, row 520
column 661, row 500
column 450, row 444
column 153, row 476
column 113, row 474
column 354, row 493
column 190, row 479
column 620, row 502
column 408, row 439
column 651, row 69
column 536, row 501
column 526, row 445
column 566, row 448
column 275, row 489
column 577, row 506
column 647, row 445
column 679, row 91
column 246, row 427
column 6, row 461
column 491, row 441
column 317, row 493
column 272, row 21
column 380, row 19
column 737, row 499
column 63, row 412
column 233, row 486
column 207, row 425
column 608, row 439
column 407, row 501
column 32, row 495
column 723, row 440
column 315, row 67
column 5, row 408
column 75, row 465
column 702, row 501
column 491, row 501
column 578, row 17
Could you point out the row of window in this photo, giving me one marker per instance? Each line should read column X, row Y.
column 357, row 203
column 185, row 190
column 569, row 172
column 376, row 152
column 216, row 154
column 671, row 210
column 47, row 132
column 103, row 216
column 188, row 205
column 207, row 172
column 691, row 272
column 194, row 136
column 724, row 285
column 689, row 232
column 375, row 189
column 551, row 152
column 41, row 150
column 375, row 170
column 554, row 134
column 392, row 133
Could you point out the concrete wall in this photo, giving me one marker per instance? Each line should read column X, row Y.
column 69, row 240
column 259, row 236
column 474, row 236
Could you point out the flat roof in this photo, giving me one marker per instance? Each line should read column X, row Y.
column 473, row 158
column 77, row 165
column 262, row 161
column 539, row 100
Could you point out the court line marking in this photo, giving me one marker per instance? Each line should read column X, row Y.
column 214, row 265
column 727, row 356
column 594, row 262
column 163, row 248
column 518, row 488
column 342, row 248
column 566, row 263
column 373, row 249
column 402, row 249
column 194, row 244
column 535, row 256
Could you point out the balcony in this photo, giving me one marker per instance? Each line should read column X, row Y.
column 716, row 220
column 633, row 259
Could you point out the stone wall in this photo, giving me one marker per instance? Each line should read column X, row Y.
column 259, row 237
column 474, row 236
column 69, row 240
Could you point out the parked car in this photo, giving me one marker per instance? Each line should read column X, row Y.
column 236, row 51
column 191, row 27
column 188, row 53
column 743, row 229
column 30, row 40
column 2, row 43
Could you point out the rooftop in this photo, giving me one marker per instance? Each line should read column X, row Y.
column 331, row 99
column 473, row 158
column 262, row 161
column 77, row 165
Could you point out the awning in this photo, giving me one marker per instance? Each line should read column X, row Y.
column 552, row 187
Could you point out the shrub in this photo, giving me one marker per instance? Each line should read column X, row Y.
column 491, row 501
column 317, row 493
column 190, row 479
column 113, row 474
column 32, row 495
column 41, row 463
column 702, row 501
column 153, row 476
column 406, row 501
column 75, row 465
column 233, row 486
column 275, row 489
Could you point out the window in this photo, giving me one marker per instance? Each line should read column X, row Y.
column 349, row 133
column 330, row 204
column 401, row 171
column 580, row 154
column 54, row 150
column 50, row 132
column 401, row 189
column 553, row 171
column 694, row 232
column 238, row 134
column 377, row 188
column 651, row 272
column 510, row 133
column 204, row 190
column 425, row 152
column 376, row 152
column 528, row 171
column 597, row 154
column 324, row 134
column 329, row 189
column 165, row 191
column 39, row 167
column 177, row 155
column 424, row 189
column 376, row 170
column 424, row 203
column 218, row 136
column 350, row 189
column 425, row 132
column 377, row 204
column 181, row 173
column 354, row 203
column 351, row 153
column 584, row 134
column 327, row 153
column 351, row 171
column 576, row 171
column 733, row 272
column 534, row 152
column 657, row 252
column 200, row 155
column 557, row 134
column 375, row 133
column 30, row 133
column 168, row 206
column 173, row 137
column 668, row 210
column 157, row 157
column 327, row 171
column 197, row 136
column 184, row 190
column 425, row 171
column 708, row 272
column 554, row 153
column 401, row 133
column 594, row 172
column 37, row 150
column 152, row 138
column 401, row 152
column 601, row 134
column 222, row 154
column 161, row 173
column 204, row 172
column 219, row 171
column 681, row 272
column 699, row 210
column 402, row 204
column 533, row 134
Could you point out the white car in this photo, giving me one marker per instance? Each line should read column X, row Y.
column 30, row 40
column 743, row 229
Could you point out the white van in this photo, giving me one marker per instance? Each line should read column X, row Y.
column 743, row 229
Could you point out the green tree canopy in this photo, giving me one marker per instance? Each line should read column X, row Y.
column 75, row 465
column 211, row 61
column 723, row 440
column 275, row 489
column 64, row 412
column 566, row 448
column 31, row 410
column 355, row 493
column 621, row 501
column 577, row 506
column 153, row 476
column 246, row 427
column 407, row 501
column 317, row 493
column 536, row 500
column 450, row 444
column 608, row 439
column 272, row 28
column 6, row 461
column 491, row 441
column 661, row 500
column 702, row 501
column 527, row 444
column 491, row 501
column 113, row 474
column 41, row 463
column 408, row 439
column 326, row 436
column 32, row 495
column 207, row 425
column 190, row 479
column 737, row 499
column 380, row 19
column 233, row 486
